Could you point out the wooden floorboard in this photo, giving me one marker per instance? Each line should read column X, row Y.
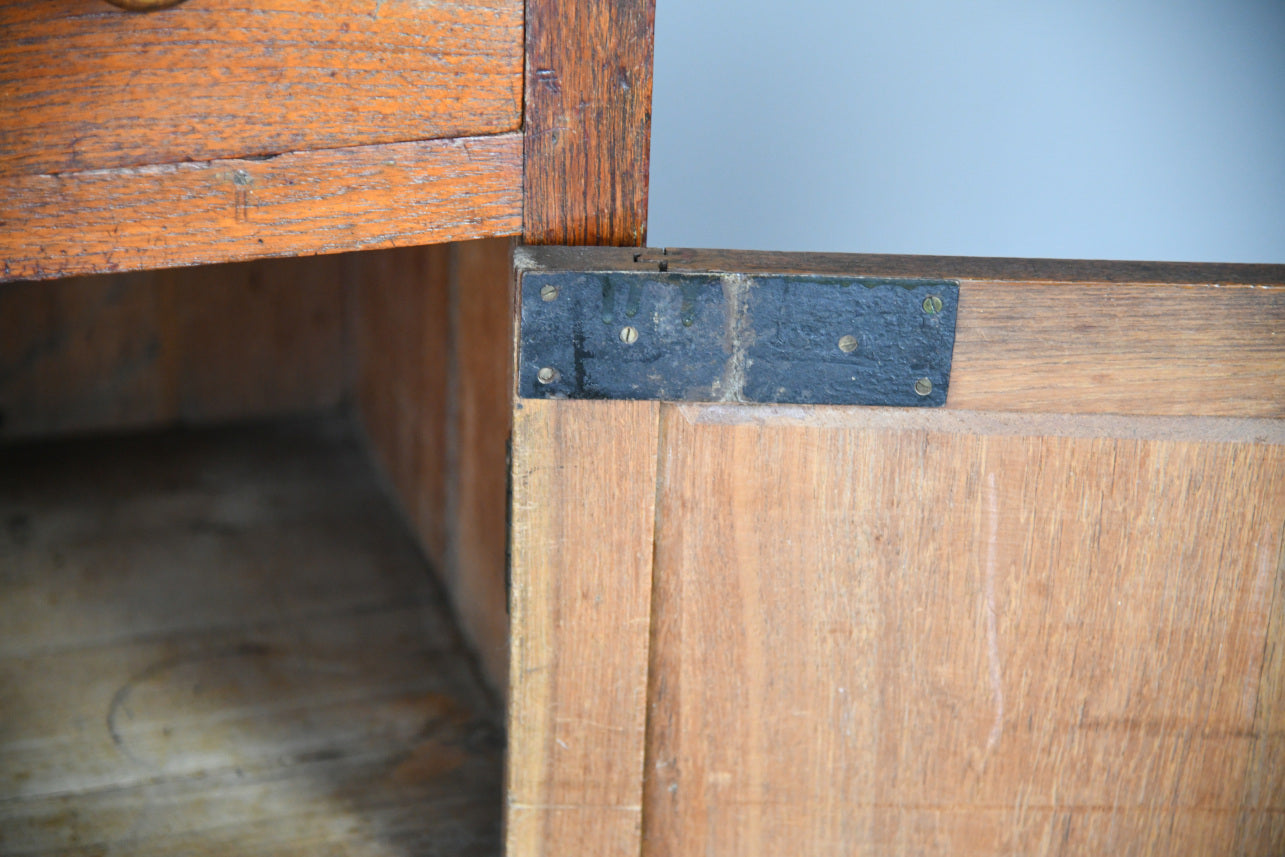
column 224, row 642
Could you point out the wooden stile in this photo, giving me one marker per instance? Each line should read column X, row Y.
column 587, row 127
column 583, row 505
column 582, row 496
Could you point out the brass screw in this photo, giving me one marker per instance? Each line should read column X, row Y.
column 628, row 335
column 547, row 375
column 932, row 304
column 848, row 344
column 923, row 386
column 549, row 292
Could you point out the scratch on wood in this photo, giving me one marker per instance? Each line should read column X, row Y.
column 992, row 633
column 992, row 423
column 541, row 807
column 241, row 181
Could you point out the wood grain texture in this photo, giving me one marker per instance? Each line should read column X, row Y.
column 402, row 351
column 87, row 87
column 1063, row 337
column 1214, row 350
column 963, row 267
column 481, row 414
column 432, row 345
column 224, row 643
column 872, row 638
column 583, row 502
column 587, row 122
column 295, row 203
column 190, row 346
column 1264, row 784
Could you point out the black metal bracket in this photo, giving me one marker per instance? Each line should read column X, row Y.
column 796, row 339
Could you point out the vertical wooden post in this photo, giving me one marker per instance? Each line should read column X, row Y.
column 587, row 128
column 583, row 473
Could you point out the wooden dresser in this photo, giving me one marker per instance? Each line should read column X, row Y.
column 1043, row 618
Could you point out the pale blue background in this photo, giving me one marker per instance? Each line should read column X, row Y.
column 1132, row 129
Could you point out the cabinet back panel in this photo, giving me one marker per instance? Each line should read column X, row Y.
column 893, row 634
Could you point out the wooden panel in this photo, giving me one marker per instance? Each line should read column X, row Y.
column 433, row 347
column 402, row 349
column 296, row 203
column 84, row 86
column 482, row 360
column 876, row 632
column 1065, row 337
column 191, row 345
column 1265, row 777
column 1133, row 349
column 223, row 643
column 588, row 121
column 583, row 495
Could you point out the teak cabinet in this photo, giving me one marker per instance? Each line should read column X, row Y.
column 1046, row 618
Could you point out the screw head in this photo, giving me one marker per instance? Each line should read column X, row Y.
column 932, row 304
column 628, row 335
column 924, row 386
column 547, row 375
column 548, row 292
column 847, row 343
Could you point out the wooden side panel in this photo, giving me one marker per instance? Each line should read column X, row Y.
column 402, row 351
column 588, row 121
column 482, row 361
column 365, row 197
column 192, row 346
column 84, row 86
column 892, row 634
column 583, row 495
column 433, row 346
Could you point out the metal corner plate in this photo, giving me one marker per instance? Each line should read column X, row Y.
column 766, row 338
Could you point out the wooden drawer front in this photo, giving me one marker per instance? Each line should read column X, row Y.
column 84, row 85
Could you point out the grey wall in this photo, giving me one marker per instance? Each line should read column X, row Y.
column 1108, row 129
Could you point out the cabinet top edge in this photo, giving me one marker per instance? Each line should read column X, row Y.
column 561, row 258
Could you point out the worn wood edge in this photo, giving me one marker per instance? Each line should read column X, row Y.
column 980, row 268
column 299, row 203
column 587, row 121
column 993, row 423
